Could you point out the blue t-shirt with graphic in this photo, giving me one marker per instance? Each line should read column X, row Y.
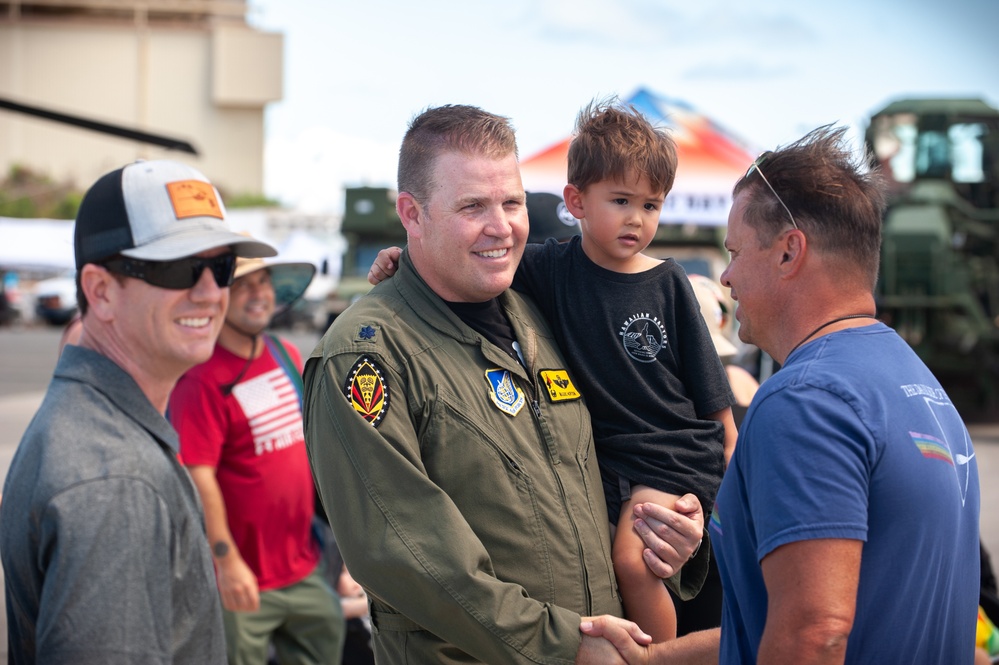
column 855, row 439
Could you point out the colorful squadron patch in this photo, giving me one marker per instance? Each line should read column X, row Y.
column 558, row 385
column 367, row 391
column 504, row 393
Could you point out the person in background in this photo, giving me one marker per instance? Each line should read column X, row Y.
column 847, row 525
column 452, row 451
column 101, row 533
column 240, row 425
column 547, row 217
column 716, row 310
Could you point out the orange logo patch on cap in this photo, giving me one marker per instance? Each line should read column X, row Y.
column 194, row 198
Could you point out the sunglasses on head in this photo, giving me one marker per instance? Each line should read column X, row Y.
column 755, row 166
column 177, row 274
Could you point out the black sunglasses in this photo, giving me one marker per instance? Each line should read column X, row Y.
column 178, row 274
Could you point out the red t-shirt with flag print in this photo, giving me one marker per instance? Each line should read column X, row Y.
column 252, row 435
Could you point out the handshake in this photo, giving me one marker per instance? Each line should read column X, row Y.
column 672, row 538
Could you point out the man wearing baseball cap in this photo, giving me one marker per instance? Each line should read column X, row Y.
column 101, row 534
column 239, row 419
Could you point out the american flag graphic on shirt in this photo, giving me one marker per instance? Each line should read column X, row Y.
column 270, row 405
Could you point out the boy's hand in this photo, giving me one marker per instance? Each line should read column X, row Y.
column 385, row 265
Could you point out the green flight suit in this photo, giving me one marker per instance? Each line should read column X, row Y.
column 464, row 497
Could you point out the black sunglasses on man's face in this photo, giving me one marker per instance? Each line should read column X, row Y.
column 177, row 274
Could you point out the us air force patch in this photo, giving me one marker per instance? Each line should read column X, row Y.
column 504, row 392
column 643, row 336
column 367, row 391
column 558, row 385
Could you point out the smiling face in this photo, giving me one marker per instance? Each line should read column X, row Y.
column 168, row 331
column 467, row 238
column 251, row 302
column 619, row 219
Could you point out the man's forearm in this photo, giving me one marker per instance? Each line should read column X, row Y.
column 216, row 519
column 700, row 648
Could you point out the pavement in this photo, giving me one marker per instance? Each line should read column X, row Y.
column 28, row 355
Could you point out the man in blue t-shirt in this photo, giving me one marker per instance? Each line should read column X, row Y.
column 846, row 526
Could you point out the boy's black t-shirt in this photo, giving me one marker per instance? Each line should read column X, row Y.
column 641, row 355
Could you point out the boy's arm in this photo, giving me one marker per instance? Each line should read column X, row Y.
column 731, row 433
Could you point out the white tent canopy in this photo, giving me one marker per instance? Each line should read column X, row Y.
column 43, row 245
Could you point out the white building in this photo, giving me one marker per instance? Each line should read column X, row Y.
column 189, row 69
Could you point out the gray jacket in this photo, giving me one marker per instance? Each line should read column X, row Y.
column 103, row 544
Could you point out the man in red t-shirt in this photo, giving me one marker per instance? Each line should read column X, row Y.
column 240, row 423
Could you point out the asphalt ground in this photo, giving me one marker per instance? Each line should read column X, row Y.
column 28, row 356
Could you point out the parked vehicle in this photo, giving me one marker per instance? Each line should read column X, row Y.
column 939, row 279
column 55, row 299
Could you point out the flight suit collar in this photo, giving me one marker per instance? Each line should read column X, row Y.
column 434, row 311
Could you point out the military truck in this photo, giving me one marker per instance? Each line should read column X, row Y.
column 370, row 223
column 939, row 280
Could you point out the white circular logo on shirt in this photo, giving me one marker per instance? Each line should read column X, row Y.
column 643, row 336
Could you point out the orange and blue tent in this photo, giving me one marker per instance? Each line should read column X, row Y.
column 711, row 159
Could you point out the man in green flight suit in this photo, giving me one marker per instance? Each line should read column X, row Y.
column 451, row 449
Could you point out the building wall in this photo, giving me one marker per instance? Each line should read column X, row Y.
column 198, row 77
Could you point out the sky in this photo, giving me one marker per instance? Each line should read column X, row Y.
column 356, row 72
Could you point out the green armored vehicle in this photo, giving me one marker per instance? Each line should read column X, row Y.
column 939, row 280
column 370, row 223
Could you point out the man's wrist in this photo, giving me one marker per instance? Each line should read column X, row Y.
column 697, row 548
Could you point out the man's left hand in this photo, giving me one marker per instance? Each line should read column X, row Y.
column 672, row 536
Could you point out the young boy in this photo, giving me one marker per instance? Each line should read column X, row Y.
column 631, row 330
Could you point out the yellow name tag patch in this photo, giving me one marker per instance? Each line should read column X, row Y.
column 558, row 385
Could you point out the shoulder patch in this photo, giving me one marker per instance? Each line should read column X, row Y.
column 366, row 332
column 558, row 385
column 367, row 390
column 504, row 392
